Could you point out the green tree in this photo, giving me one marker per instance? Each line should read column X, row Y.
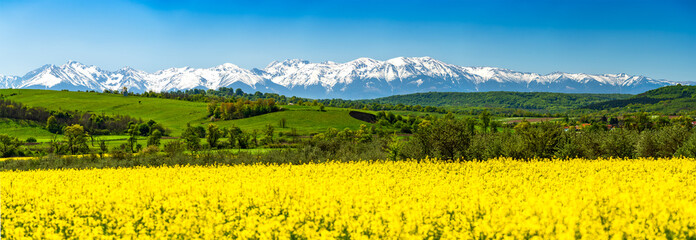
column 212, row 106
column 485, row 118
column 393, row 147
column 254, row 137
column 190, row 136
column 173, row 148
column 446, row 138
column 102, row 147
column 212, row 135
column 269, row 133
column 76, row 138
column 9, row 146
column 234, row 134
column 133, row 133
column 363, row 134
column 541, row 140
column 52, row 125
column 282, row 123
column 243, row 140
column 688, row 149
column 143, row 129
column 154, row 138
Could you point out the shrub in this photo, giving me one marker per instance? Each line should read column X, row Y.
column 174, row 148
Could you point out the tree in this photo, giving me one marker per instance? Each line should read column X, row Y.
column 363, row 134
column 447, row 138
column 485, row 118
column 321, row 107
column 133, row 133
column 269, row 133
column 76, row 138
column 213, row 134
column 688, row 148
column 9, row 146
column 393, row 147
column 254, row 135
column 52, row 125
column 212, row 106
column 173, row 148
column 234, row 133
column 143, row 129
column 540, row 140
column 102, row 147
column 154, row 139
column 243, row 140
column 190, row 136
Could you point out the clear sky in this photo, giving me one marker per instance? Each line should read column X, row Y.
column 651, row 38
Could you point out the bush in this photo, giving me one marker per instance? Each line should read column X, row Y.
column 445, row 138
column 540, row 140
column 151, row 150
column 688, row 148
column 618, row 143
column 174, row 148
column 10, row 146
column 31, row 140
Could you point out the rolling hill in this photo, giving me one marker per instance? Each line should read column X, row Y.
column 540, row 101
column 175, row 114
column 666, row 100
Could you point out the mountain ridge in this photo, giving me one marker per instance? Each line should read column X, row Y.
column 357, row 79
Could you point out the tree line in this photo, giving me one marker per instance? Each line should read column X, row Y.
column 56, row 120
column 242, row 108
column 471, row 139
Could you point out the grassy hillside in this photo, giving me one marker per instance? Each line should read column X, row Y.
column 171, row 113
column 539, row 101
column 23, row 129
column 666, row 100
column 175, row 114
column 304, row 119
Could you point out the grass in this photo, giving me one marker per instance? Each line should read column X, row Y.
column 24, row 129
column 305, row 120
column 175, row 114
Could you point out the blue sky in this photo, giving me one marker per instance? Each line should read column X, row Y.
column 651, row 38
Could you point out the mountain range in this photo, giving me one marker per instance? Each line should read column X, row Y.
column 358, row 79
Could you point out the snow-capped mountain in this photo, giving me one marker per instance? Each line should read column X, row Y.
column 360, row 78
column 7, row 81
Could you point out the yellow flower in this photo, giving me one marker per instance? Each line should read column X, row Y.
column 500, row 198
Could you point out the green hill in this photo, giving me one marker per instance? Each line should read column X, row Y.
column 533, row 101
column 667, row 100
column 23, row 129
column 175, row 114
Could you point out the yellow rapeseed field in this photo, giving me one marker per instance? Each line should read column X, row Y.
column 362, row 200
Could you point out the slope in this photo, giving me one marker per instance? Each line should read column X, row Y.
column 667, row 100
column 536, row 101
column 175, row 114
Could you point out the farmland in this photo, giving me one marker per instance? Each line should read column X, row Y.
column 175, row 114
column 601, row 199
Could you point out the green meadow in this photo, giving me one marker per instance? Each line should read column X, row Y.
column 173, row 114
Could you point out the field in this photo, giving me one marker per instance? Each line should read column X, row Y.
column 600, row 199
column 24, row 129
column 175, row 114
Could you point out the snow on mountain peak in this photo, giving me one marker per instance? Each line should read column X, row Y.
column 359, row 78
column 227, row 66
